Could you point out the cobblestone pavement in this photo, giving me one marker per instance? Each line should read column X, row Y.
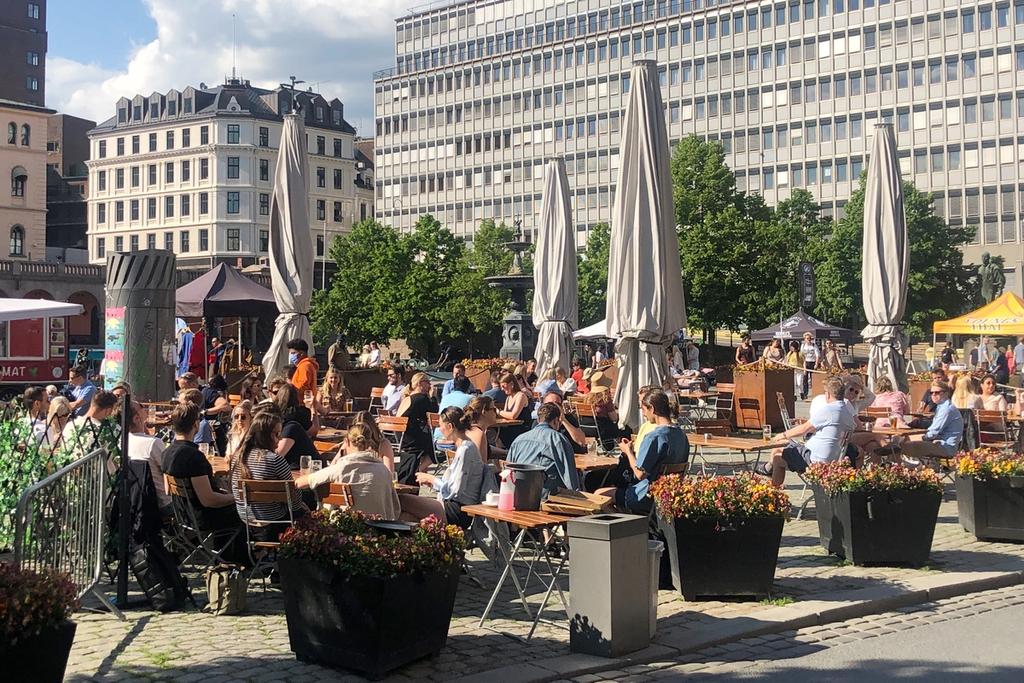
column 191, row 645
column 754, row 657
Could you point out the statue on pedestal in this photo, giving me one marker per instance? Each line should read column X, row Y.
column 991, row 277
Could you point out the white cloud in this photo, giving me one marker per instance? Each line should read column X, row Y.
column 333, row 45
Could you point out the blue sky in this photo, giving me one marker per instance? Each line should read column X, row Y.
column 101, row 50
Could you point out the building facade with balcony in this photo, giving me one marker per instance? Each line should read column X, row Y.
column 193, row 171
column 483, row 91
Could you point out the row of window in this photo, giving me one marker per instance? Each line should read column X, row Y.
column 234, row 138
column 233, row 173
column 232, row 241
column 183, row 205
column 724, row 25
column 12, row 134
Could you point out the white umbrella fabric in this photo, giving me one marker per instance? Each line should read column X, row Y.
column 645, row 288
column 598, row 330
column 30, row 309
column 555, row 290
column 886, row 261
column 291, row 245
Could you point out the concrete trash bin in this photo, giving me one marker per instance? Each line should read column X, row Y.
column 609, row 585
column 654, row 551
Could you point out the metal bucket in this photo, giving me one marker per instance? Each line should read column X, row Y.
column 529, row 483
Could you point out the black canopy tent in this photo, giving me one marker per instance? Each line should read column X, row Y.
column 226, row 293
column 796, row 325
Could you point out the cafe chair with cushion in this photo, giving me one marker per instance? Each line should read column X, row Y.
column 263, row 553
column 209, row 545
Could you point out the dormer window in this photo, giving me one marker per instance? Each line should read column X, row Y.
column 137, row 112
column 319, row 113
column 172, row 108
column 336, row 117
column 154, row 110
column 122, row 115
column 186, row 106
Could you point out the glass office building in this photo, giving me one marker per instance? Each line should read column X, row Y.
column 484, row 91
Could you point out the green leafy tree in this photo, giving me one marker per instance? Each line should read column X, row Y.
column 592, row 273
column 703, row 186
column 938, row 284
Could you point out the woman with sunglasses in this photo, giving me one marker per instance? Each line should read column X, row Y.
column 481, row 414
column 241, row 416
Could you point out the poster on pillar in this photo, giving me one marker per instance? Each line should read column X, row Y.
column 113, row 354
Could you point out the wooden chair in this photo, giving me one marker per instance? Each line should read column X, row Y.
column 376, row 398
column 326, row 448
column 260, row 491
column 750, row 409
column 340, row 495
column 393, row 429
column 992, row 429
column 210, row 544
column 721, row 404
column 589, row 424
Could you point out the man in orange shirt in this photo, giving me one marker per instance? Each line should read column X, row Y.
column 306, row 368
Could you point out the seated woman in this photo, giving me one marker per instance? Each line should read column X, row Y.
column 461, row 483
column 606, row 415
column 252, row 390
column 966, row 395
column 991, row 397
column 517, row 407
column 241, row 415
column 384, row 450
column 887, row 397
column 566, row 384
column 666, row 444
column 295, row 440
column 333, row 395
column 182, row 460
column 257, row 460
column 481, row 415
column 359, row 466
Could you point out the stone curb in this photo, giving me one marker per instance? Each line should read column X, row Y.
column 671, row 645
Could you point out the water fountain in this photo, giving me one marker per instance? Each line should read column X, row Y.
column 519, row 338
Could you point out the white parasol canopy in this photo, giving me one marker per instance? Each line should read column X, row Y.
column 555, row 289
column 886, row 261
column 598, row 330
column 291, row 246
column 30, row 309
column 645, row 287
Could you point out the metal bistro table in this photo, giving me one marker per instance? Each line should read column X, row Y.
column 732, row 443
column 526, row 521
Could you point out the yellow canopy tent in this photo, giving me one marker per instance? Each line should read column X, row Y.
column 1002, row 317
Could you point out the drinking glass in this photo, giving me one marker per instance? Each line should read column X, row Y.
column 304, row 463
column 766, row 431
column 348, row 406
column 316, row 465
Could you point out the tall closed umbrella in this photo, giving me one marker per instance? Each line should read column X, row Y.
column 645, row 287
column 886, row 261
column 291, row 246
column 555, row 291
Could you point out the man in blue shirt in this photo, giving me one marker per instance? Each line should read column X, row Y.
column 495, row 393
column 458, row 373
column 942, row 440
column 545, row 446
column 80, row 391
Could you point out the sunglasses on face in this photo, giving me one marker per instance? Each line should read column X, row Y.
column 238, row 417
column 935, row 393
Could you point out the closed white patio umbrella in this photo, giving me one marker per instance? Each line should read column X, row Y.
column 555, row 290
column 291, row 246
column 645, row 288
column 886, row 262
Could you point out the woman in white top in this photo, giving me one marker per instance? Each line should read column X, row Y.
column 460, row 485
column 56, row 419
column 566, row 384
column 965, row 394
column 142, row 446
column 359, row 466
column 991, row 398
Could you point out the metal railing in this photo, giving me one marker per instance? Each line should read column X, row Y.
column 60, row 524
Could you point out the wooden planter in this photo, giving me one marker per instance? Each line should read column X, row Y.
column 917, row 392
column 755, row 404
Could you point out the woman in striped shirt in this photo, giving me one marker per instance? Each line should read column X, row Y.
column 256, row 459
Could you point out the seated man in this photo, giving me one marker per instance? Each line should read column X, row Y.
column 829, row 422
column 942, row 440
column 458, row 373
column 545, row 446
column 570, row 425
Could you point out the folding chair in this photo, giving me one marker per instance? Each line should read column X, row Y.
column 257, row 492
column 992, row 429
column 340, row 496
column 750, row 409
column 720, row 406
column 393, row 429
column 589, row 424
column 189, row 535
column 787, row 421
column 376, row 398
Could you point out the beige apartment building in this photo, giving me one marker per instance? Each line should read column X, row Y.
column 192, row 171
column 483, row 91
column 23, row 163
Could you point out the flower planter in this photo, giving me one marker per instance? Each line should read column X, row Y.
column 365, row 624
column 41, row 658
column 886, row 527
column 717, row 557
column 991, row 509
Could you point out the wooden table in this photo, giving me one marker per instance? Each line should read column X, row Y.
column 506, row 423
column 331, row 434
column 889, row 431
column 587, row 463
column 733, row 443
column 695, row 395
column 526, row 521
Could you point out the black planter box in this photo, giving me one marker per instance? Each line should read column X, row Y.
column 891, row 527
column 41, row 658
column 992, row 509
column 364, row 624
column 716, row 557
